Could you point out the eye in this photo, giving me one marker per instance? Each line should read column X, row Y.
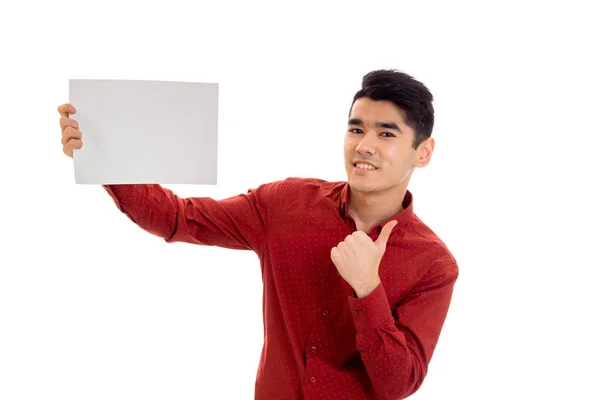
column 354, row 130
column 388, row 133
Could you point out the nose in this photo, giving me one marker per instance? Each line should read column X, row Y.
column 366, row 145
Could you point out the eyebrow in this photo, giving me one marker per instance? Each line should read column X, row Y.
column 386, row 125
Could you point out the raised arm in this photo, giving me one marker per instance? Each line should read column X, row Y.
column 238, row 222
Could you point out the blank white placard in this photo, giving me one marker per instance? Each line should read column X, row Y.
column 137, row 131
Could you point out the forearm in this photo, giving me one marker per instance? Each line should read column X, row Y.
column 395, row 370
column 151, row 207
column 237, row 222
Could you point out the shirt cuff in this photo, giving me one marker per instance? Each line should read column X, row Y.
column 371, row 311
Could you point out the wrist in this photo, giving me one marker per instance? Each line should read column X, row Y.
column 365, row 290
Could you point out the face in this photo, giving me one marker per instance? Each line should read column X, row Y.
column 378, row 150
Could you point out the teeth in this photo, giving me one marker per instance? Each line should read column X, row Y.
column 365, row 166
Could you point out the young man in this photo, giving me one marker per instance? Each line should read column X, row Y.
column 356, row 286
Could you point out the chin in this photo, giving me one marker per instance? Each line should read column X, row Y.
column 365, row 187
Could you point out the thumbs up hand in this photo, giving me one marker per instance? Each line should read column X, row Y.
column 357, row 259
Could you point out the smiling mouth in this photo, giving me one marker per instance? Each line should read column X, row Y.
column 364, row 167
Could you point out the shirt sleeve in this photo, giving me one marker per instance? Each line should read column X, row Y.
column 396, row 347
column 238, row 222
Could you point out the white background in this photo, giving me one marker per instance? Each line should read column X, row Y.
column 92, row 307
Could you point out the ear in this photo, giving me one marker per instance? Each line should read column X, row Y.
column 424, row 152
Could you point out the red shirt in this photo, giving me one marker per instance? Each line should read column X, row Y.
column 321, row 342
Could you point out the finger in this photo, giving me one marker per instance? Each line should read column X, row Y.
column 65, row 109
column 385, row 233
column 72, row 144
column 70, row 133
column 358, row 239
column 66, row 121
column 334, row 255
column 353, row 236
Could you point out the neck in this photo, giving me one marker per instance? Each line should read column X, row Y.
column 372, row 208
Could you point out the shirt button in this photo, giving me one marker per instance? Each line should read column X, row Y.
column 338, row 272
column 360, row 348
column 313, row 349
column 354, row 312
column 325, row 312
column 313, row 379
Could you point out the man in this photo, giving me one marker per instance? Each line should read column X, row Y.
column 356, row 286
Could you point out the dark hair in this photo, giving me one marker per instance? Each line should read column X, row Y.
column 410, row 95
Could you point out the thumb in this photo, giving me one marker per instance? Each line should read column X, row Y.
column 385, row 234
